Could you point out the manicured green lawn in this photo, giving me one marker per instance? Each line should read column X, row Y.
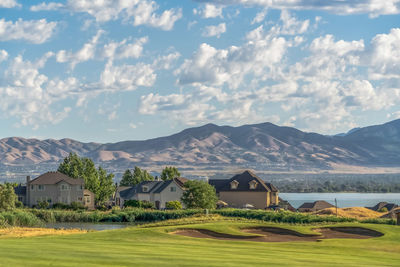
column 154, row 246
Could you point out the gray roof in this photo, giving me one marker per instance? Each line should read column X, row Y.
column 55, row 178
column 153, row 187
column 243, row 180
column 318, row 205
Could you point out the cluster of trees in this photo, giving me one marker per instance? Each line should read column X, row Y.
column 97, row 180
column 8, row 198
column 131, row 178
column 137, row 175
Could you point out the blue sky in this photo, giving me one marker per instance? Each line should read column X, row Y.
column 107, row 71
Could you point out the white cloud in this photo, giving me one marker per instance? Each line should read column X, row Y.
column 384, row 56
column 34, row 31
column 138, row 12
column 209, row 11
column 260, row 16
column 124, row 49
column 372, row 7
column 126, row 77
column 3, row 55
column 327, row 45
column 216, row 30
column 9, row 4
column 28, row 94
column 259, row 56
column 47, row 6
column 86, row 53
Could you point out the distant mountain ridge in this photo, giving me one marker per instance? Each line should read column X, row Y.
column 265, row 145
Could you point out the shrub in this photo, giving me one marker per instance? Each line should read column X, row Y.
column 61, row 206
column 77, row 206
column 384, row 209
column 173, row 205
column 139, row 204
column 42, row 204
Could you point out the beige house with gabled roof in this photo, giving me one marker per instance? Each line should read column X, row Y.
column 246, row 190
column 56, row 187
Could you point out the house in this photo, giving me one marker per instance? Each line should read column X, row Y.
column 314, row 206
column 382, row 205
column 157, row 192
column 246, row 189
column 56, row 187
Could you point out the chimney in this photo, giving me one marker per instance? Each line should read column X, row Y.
column 28, row 179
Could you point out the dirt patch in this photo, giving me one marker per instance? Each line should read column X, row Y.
column 276, row 234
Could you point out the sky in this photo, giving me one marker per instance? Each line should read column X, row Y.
column 113, row 70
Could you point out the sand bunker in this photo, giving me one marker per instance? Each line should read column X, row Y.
column 30, row 232
column 276, row 234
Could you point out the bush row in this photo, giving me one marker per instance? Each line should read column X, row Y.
column 280, row 216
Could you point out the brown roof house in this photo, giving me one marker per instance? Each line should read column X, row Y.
column 56, row 187
column 245, row 190
column 157, row 192
column 314, row 206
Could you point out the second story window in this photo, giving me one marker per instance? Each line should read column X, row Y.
column 145, row 189
column 234, row 184
column 40, row 187
column 64, row 187
column 173, row 189
column 253, row 184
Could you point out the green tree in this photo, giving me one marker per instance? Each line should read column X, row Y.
column 106, row 185
column 199, row 194
column 127, row 179
column 8, row 198
column 169, row 173
column 96, row 180
column 131, row 178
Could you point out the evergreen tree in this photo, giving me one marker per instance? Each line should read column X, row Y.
column 169, row 173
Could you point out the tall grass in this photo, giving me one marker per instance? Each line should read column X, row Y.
column 37, row 217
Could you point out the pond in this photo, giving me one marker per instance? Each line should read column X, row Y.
column 87, row 226
column 343, row 199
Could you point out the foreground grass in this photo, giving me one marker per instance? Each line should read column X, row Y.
column 154, row 246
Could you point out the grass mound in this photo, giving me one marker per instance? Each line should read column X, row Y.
column 354, row 212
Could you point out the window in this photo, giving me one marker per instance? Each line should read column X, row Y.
column 80, row 199
column 87, row 199
column 145, row 189
column 49, row 200
column 20, row 198
column 80, row 187
column 40, row 187
column 32, row 187
column 234, row 184
column 253, row 184
column 173, row 189
column 64, row 187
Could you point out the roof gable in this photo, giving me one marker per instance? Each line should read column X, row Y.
column 51, row 178
column 244, row 179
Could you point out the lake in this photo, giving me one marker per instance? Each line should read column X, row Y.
column 343, row 199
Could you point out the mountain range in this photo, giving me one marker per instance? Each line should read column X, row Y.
column 264, row 145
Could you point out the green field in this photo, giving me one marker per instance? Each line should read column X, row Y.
column 155, row 246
